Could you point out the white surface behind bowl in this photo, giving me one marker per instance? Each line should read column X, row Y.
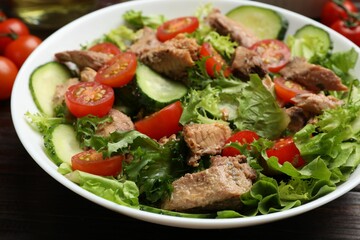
column 93, row 25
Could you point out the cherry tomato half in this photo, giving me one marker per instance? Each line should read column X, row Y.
column 214, row 63
column 173, row 27
column 91, row 161
column 12, row 26
column 119, row 71
column 8, row 72
column 286, row 151
column 163, row 123
column 20, row 49
column 242, row 137
column 331, row 12
column 89, row 98
column 286, row 89
column 106, row 47
column 274, row 53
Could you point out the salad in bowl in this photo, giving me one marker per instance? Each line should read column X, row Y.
column 224, row 114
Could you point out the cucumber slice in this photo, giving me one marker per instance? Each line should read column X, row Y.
column 321, row 40
column 61, row 143
column 156, row 91
column 264, row 23
column 43, row 82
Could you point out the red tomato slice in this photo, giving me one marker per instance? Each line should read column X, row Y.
column 286, row 151
column 242, row 137
column 171, row 28
column 106, row 47
column 163, row 123
column 274, row 53
column 286, row 89
column 119, row 71
column 91, row 161
column 214, row 63
column 89, row 98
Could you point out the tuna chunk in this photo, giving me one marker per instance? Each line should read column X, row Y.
column 146, row 41
column 217, row 188
column 314, row 77
column 226, row 26
column 315, row 103
column 84, row 58
column 59, row 96
column 205, row 139
column 246, row 62
column 87, row 75
column 121, row 122
column 298, row 118
column 172, row 58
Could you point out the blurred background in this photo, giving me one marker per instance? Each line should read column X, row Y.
column 49, row 15
column 309, row 8
column 52, row 14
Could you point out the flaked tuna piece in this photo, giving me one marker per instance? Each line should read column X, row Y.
column 164, row 140
column 59, row 96
column 87, row 75
column 172, row 58
column 246, row 62
column 298, row 118
column 314, row 77
column 204, row 139
column 226, row 26
column 188, row 44
column 84, row 58
column 217, row 188
column 145, row 42
column 121, row 122
column 315, row 103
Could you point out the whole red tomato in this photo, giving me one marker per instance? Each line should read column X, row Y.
column 8, row 72
column 9, row 29
column 351, row 30
column 333, row 10
column 19, row 49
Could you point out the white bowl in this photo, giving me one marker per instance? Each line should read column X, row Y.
column 93, row 25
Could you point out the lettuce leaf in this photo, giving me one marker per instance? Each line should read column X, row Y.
column 259, row 111
column 202, row 106
column 125, row 193
column 137, row 20
column 153, row 166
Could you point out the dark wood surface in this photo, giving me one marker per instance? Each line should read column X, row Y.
column 35, row 206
